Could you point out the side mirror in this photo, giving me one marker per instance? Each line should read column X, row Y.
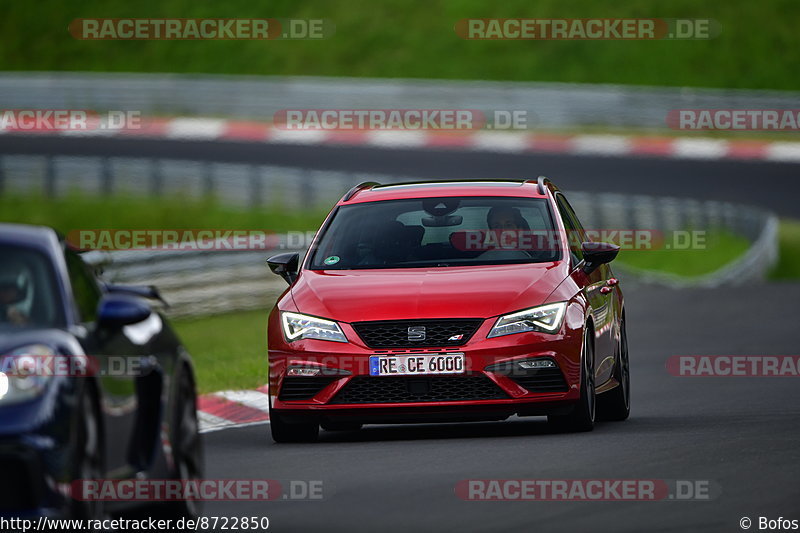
column 596, row 254
column 117, row 310
column 285, row 265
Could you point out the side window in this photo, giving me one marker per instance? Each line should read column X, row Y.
column 84, row 288
column 575, row 233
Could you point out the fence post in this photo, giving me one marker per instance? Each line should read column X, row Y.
column 49, row 177
column 256, row 190
column 156, row 179
column 307, row 180
column 106, row 177
column 208, row 180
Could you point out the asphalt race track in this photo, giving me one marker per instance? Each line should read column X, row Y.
column 740, row 434
column 768, row 184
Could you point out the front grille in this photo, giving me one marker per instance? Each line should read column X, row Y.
column 303, row 388
column 395, row 333
column 542, row 380
column 403, row 389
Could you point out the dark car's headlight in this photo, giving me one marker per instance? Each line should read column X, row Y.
column 544, row 318
column 297, row 326
column 19, row 378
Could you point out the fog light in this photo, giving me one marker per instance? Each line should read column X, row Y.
column 537, row 363
column 303, row 371
column 313, row 370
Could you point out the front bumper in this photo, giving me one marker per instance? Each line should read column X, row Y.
column 483, row 392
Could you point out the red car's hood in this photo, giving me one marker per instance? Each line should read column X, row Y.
column 452, row 292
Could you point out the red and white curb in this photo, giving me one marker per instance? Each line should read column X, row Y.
column 209, row 129
column 234, row 408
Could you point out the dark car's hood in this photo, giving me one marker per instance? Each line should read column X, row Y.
column 452, row 292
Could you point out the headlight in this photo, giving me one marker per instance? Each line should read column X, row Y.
column 545, row 318
column 297, row 326
column 20, row 378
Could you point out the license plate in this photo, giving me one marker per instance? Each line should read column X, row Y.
column 416, row 364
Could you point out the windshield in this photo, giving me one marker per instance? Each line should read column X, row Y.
column 28, row 293
column 448, row 231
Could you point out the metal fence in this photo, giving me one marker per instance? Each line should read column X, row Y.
column 234, row 184
column 548, row 105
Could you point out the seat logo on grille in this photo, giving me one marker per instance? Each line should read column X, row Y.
column 416, row 333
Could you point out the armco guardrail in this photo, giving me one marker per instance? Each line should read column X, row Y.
column 235, row 184
column 548, row 105
column 207, row 282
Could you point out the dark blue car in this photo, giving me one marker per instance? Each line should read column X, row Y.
column 113, row 398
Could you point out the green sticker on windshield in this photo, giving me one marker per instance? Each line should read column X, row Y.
column 332, row 260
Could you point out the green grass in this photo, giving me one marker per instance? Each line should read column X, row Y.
column 721, row 247
column 758, row 47
column 788, row 265
column 76, row 212
column 229, row 350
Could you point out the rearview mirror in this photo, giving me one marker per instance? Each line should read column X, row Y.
column 117, row 310
column 285, row 265
column 596, row 254
column 442, row 221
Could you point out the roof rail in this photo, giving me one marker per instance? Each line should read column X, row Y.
column 352, row 192
column 541, row 182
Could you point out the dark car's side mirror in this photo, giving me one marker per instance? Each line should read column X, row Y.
column 596, row 254
column 117, row 310
column 285, row 265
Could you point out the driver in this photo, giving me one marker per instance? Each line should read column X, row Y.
column 505, row 220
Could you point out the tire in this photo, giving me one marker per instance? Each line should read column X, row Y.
column 615, row 405
column 582, row 416
column 341, row 426
column 89, row 454
column 187, row 446
column 284, row 432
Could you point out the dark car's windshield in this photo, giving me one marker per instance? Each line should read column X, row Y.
column 449, row 231
column 28, row 293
